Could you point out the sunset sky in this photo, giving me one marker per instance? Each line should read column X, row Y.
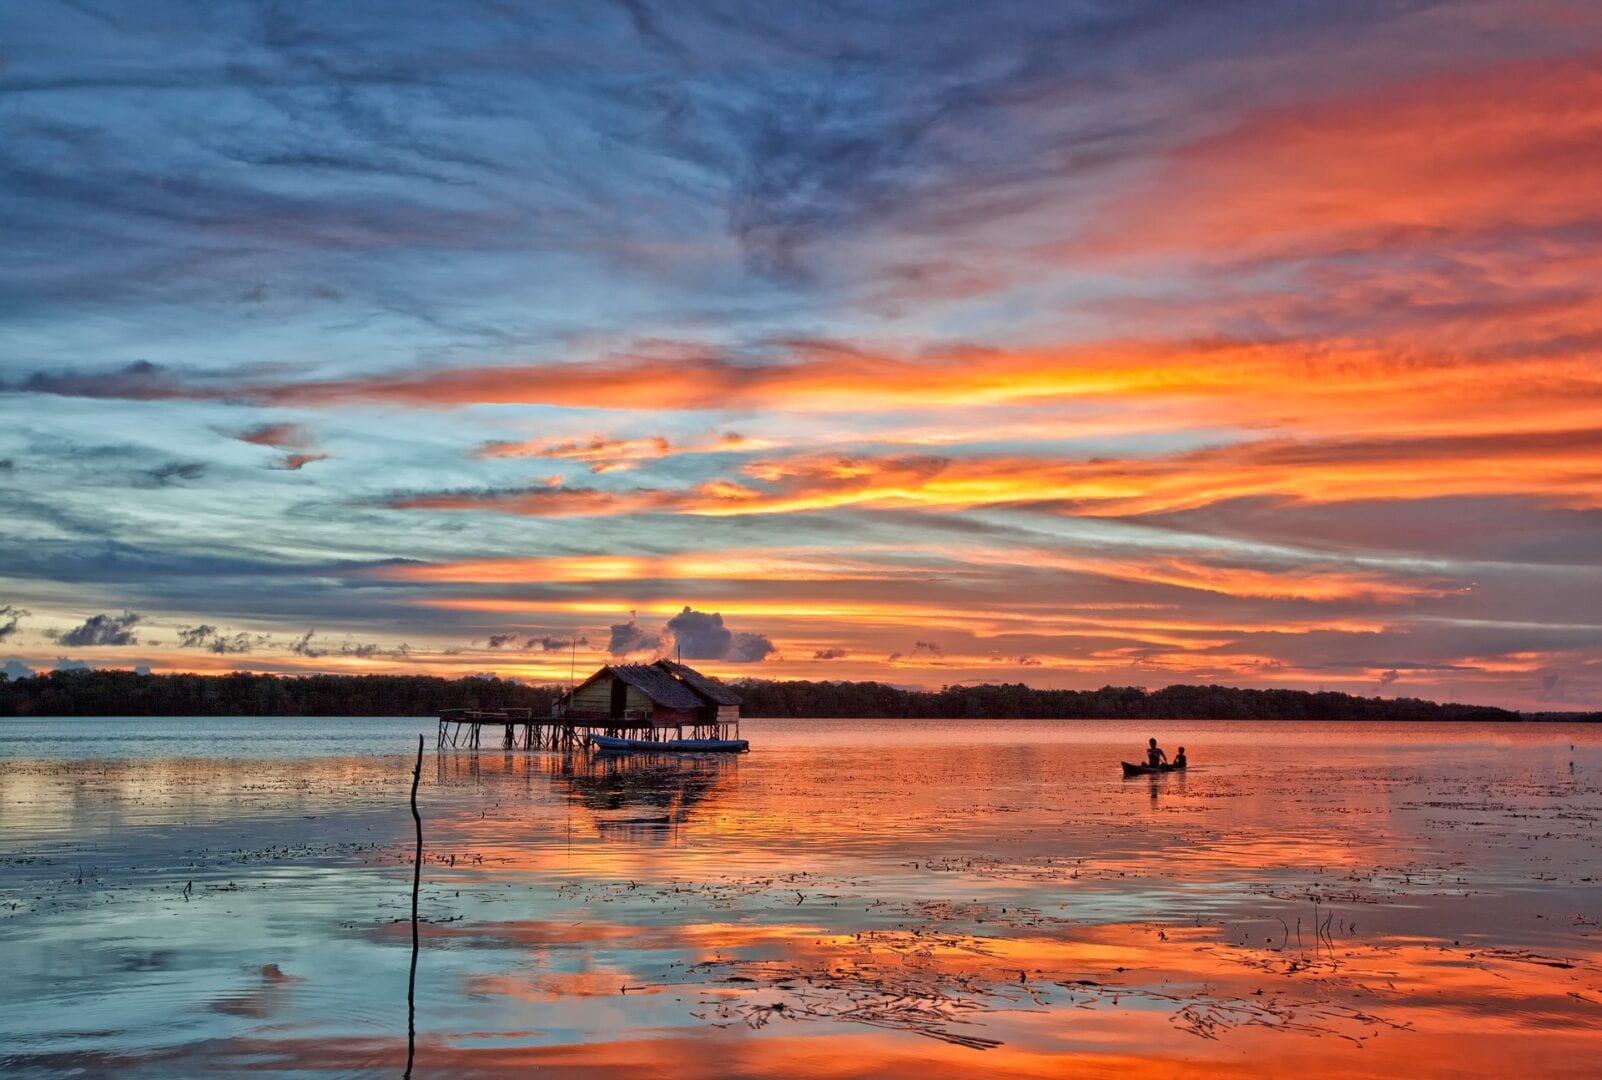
column 1063, row 343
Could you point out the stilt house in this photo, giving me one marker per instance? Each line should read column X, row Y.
column 663, row 694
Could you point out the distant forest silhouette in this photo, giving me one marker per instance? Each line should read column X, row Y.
column 128, row 693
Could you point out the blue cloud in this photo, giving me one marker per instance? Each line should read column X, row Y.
column 16, row 669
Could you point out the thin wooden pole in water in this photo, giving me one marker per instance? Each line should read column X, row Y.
column 417, row 878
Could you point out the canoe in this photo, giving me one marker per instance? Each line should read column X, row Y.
column 1149, row 770
column 612, row 745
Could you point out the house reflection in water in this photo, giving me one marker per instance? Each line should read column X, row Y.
column 645, row 794
column 642, row 796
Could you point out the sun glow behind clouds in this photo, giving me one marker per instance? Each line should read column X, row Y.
column 1049, row 364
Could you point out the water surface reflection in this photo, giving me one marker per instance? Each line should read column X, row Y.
column 979, row 899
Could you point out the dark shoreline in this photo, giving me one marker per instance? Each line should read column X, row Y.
column 127, row 693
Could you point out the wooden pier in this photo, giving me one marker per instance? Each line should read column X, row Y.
column 510, row 729
column 518, row 729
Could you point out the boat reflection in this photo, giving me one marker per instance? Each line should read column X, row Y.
column 1173, row 781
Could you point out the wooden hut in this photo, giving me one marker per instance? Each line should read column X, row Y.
column 633, row 701
column 646, row 698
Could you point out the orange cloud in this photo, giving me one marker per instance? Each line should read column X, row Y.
column 1335, row 386
column 1342, row 385
column 897, row 614
column 604, row 454
column 1423, row 162
column 600, row 453
column 1563, row 468
column 1316, row 582
column 712, row 565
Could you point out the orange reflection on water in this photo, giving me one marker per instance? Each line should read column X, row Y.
column 959, row 900
column 1179, row 1001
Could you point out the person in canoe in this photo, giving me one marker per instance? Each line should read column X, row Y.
column 1179, row 759
column 1155, row 755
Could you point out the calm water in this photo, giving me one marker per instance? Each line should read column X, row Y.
column 195, row 897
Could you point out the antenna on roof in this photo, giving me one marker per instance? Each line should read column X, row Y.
column 572, row 665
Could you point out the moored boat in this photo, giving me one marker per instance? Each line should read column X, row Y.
column 613, row 745
column 1149, row 770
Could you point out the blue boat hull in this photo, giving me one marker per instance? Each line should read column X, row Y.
column 613, row 745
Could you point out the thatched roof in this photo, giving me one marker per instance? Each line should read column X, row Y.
column 657, row 685
column 707, row 687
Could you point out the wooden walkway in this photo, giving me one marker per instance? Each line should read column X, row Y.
column 513, row 729
column 519, row 729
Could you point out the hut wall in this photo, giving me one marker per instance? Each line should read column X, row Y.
column 595, row 698
column 661, row 714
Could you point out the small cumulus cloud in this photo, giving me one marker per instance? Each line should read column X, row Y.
column 830, row 654
column 205, row 636
column 749, row 648
column 555, row 644
column 497, row 640
column 701, row 635
column 10, row 619
column 103, row 630
column 305, row 646
column 630, row 637
column 16, row 669
column 277, row 435
column 921, row 650
column 64, row 663
column 289, row 437
column 1388, row 677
